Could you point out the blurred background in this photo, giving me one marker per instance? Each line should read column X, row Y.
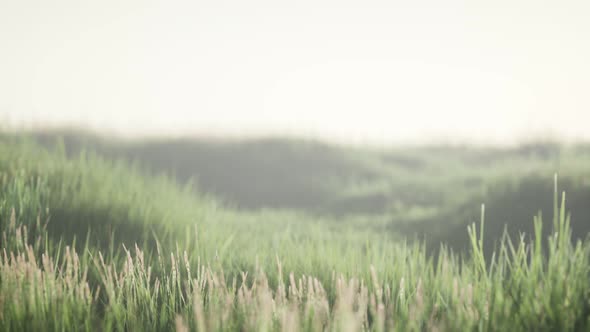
column 396, row 115
column 368, row 72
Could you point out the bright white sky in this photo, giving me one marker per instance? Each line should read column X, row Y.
column 354, row 71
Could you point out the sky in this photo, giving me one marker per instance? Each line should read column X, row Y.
column 352, row 71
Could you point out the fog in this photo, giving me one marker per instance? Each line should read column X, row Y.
column 351, row 71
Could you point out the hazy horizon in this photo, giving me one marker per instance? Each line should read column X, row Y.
column 372, row 72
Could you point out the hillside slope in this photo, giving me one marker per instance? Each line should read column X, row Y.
column 432, row 192
column 89, row 243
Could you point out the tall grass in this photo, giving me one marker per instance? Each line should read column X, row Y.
column 173, row 261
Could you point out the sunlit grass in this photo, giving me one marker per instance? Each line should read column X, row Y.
column 90, row 244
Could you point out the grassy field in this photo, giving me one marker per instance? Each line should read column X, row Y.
column 290, row 235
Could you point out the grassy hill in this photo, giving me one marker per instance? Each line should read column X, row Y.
column 429, row 192
column 91, row 241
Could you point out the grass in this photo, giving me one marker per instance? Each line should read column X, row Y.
column 432, row 192
column 89, row 243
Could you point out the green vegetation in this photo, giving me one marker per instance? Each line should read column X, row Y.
column 429, row 192
column 92, row 241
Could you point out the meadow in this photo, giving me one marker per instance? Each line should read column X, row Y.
column 291, row 235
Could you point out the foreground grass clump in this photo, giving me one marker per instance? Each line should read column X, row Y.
column 89, row 244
